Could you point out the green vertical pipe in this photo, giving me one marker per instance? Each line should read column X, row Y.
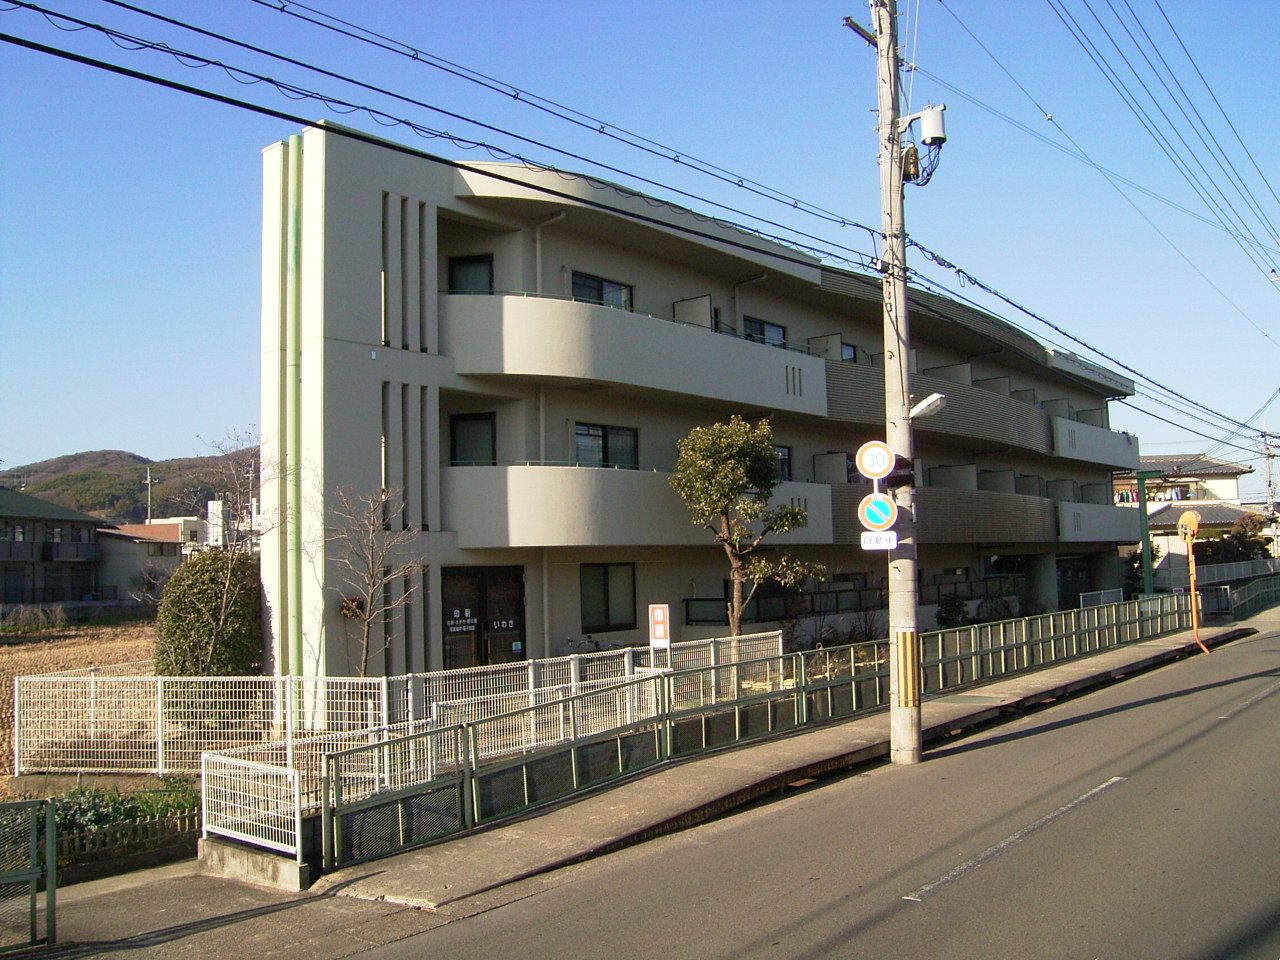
column 1148, row 585
column 293, row 406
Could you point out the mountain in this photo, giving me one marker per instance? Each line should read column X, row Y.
column 112, row 484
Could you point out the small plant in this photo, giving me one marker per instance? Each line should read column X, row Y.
column 953, row 611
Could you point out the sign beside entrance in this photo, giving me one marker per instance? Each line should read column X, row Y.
column 874, row 459
column 659, row 625
column 877, row 511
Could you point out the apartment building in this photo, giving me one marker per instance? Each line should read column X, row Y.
column 517, row 352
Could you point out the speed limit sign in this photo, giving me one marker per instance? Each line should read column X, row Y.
column 874, row 459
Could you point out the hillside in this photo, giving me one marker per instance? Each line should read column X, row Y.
column 112, row 484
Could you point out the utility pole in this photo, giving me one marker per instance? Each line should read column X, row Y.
column 904, row 634
column 1267, row 457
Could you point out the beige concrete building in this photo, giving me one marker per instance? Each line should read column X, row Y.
column 518, row 352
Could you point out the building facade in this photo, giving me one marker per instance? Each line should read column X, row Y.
column 516, row 353
column 48, row 553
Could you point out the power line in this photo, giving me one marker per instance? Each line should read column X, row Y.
column 585, row 121
column 385, row 119
column 355, row 135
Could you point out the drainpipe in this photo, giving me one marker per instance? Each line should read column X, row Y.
column 542, row 432
column 737, row 312
column 537, row 248
column 293, row 406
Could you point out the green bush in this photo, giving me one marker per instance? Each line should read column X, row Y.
column 953, row 611
column 210, row 618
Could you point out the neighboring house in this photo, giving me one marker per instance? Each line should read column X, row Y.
column 134, row 560
column 191, row 532
column 48, row 553
column 1184, row 477
column 1207, row 485
column 521, row 364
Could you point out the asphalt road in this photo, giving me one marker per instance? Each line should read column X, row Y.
column 1140, row 821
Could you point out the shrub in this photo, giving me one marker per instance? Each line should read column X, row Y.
column 953, row 611
column 210, row 618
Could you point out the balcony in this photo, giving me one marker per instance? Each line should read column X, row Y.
column 19, row 550
column 1097, row 522
column 529, row 505
column 549, row 338
column 856, row 393
column 55, row 551
column 960, row 516
column 1082, row 441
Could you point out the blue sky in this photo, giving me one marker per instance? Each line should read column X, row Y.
column 130, row 214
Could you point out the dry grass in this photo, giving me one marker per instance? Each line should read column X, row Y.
column 50, row 649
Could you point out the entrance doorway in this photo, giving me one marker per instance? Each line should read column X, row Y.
column 483, row 615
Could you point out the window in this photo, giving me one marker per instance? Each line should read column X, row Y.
column 849, row 352
column 599, row 290
column 471, row 274
column 784, row 462
column 596, row 445
column 608, row 595
column 473, row 440
column 762, row 331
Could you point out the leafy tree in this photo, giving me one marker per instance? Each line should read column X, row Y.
column 726, row 474
column 210, row 618
column 1244, row 541
column 370, row 544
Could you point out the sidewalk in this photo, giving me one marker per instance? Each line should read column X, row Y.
column 179, row 912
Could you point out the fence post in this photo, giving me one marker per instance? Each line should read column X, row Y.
column 326, row 815
column 289, row 707
column 714, row 657
column 17, row 726
column 575, row 672
column 384, row 695
column 51, row 871
column 160, row 726
column 470, row 801
column 802, row 683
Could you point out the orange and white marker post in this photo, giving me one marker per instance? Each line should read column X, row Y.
column 1188, row 527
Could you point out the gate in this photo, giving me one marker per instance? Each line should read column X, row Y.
column 28, row 860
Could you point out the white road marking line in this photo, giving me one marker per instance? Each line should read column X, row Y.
column 1007, row 842
column 1251, row 701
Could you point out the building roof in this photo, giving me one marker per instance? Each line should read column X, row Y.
column 160, row 532
column 168, row 532
column 1178, row 465
column 20, row 506
column 1212, row 513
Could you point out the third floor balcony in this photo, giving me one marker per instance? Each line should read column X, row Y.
column 512, row 334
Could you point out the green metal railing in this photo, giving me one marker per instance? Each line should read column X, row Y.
column 388, row 796
column 28, row 865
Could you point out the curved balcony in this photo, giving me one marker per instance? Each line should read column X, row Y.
column 543, row 337
column 530, row 505
column 856, row 392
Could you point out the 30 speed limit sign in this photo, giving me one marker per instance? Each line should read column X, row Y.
column 874, row 460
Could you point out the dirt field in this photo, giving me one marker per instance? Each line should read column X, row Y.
column 64, row 648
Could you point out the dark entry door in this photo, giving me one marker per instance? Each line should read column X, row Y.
column 483, row 615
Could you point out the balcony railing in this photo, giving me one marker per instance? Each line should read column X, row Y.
column 64, row 594
column 19, row 550
column 556, row 338
column 56, row 551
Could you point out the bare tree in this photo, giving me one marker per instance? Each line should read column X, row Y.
column 378, row 571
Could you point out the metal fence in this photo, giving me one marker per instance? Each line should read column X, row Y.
column 28, row 863
column 1206, row 573
column 408, row 784
column 96, row 721
column 122, row 719
column 385, row 797
column 1249, row 598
